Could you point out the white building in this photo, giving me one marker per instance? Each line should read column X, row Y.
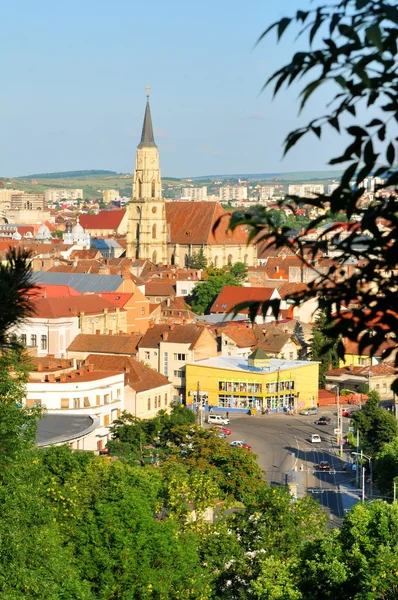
column 306, row 190
column 56, row 195
column 99, row 394
column 332, row 187
column 77, row 236
column 197, row 194
column 233, row 192
column 266, row 192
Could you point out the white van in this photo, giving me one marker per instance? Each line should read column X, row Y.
column 217, row 420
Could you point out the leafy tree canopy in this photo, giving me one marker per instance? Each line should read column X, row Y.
column 205, row 292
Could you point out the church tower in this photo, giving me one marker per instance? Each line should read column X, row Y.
column 147, row 228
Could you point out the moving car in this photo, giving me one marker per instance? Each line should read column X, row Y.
column 323, row 421
column 309, row 411
column 217, row 420
column 346, row 413
column 324, row 465
column 240, row 444
column 315, row 438
column 223, row 429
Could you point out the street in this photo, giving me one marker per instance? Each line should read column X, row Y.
column 282, row 444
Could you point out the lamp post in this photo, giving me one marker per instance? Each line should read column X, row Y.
column 368, row 458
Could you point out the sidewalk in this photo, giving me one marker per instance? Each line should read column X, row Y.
column 349, row 496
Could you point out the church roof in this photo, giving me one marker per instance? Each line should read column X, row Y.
column 192, row 223
column 147, row 139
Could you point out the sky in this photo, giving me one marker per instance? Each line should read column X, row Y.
column 75, row 72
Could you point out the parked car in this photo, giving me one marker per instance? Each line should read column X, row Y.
column 221, row 435
column 240, row 444
column 309, row 411
column 223, row 429
column 217, row 420
column 323, row 421
column 315, row 438
column 346, row 412
column 324, row 465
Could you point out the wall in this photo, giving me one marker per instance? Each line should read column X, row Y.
column 105, row 322
column 59, row 332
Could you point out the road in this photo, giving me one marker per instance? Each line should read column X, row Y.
column 283, row 446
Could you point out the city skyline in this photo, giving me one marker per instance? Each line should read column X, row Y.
column 82, row 109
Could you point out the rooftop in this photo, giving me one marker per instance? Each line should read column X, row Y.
column 105, row 344
column 237, row 363
column 58, row 429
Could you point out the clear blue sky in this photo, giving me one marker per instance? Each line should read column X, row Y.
column 74, row 77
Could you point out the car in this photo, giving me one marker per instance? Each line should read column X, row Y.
column 309, row 411
column 323, row 421
column 346, row 413
column 223, row 429
column 240, row 444
column 324, row 465
column 221, row 435
column 217, row 420
column 315, row 438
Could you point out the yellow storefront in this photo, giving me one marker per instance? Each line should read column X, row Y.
column 238, row 384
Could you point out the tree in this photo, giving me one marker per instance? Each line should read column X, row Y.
column 323, row 347
column 376, row 426
column 386, row 467
column 298, row 334
column 352, row 49
column 205, row 292
column 197, row 260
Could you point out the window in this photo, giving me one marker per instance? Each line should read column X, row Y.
column 178, row 356
column 179, row 373
column 106, row 420
column 165, row 399
column 106, row 398
column 76, row 402
column 149, row 404
column 166, row 363
column 98, row 400
column 147, row 355
column 384, row 388
column 23, row 339
column 114, row 415
column 64, row 402
column 153, row 188
column 291, row 355
column 86, row 401
column 33, row 403
column 118, row 393
column 33, row 340
column 142, row 311
column 159, row 401
column 156, row 401
column 154, row 231
column 43, row 344
column 184, row 292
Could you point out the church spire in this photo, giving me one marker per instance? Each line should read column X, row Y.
column 147, row 139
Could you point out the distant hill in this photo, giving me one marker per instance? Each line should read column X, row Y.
column 290, row 176
column 69, row 174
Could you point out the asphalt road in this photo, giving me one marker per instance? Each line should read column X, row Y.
column 282, row 444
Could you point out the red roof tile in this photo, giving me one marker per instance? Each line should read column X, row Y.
column 54, row 308
column 159, row 288
column 176, row 334
column 105, row 344
column 105, row 219
column 139, row 377
column 231, row 295
column 53, row 291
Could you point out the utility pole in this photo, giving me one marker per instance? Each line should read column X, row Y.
column 363, row 484
column 395, row 491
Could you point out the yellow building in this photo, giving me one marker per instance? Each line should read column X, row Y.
column 236, row 384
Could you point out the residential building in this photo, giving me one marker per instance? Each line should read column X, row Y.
column 198, row 194
column 86, row 283
column 366, row 357
column 5, row 197
column 105, row 223
column 232, row 192
column 22, row 201
column 266, row 192
column 146, row 391
column 120, row 345
column 236, row 384
column 306, row 190
column 171, row 232
column 99, row 394
column 168, row 348
column 57, row 195
column 159, row 290
column 378, row 377
column 230, row 296
column 137, row 308
column 110, row 196
column 58, row 320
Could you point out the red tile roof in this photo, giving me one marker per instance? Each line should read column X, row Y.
column 231, row 295
column 351, row 347
column 383, row 368
column 176, row 334
column 105, row 219
column 53, row 291
column 105, row 344
column 139, row 377
column 192, row 223
column 118, row 299
column 67, row 306
column 159, row 288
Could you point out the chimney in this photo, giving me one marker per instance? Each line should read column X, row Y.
column 184, row 321
column 72, row 374
column 63, row 364
column 40, row 367
column 151, row 325
column 90, row 369
column 127, row 369
column 172, row 327
column 97, row 332
column 165, row 335
column 62, row 378
column 110, row 332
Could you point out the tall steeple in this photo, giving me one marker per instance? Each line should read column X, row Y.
column 147, row 139
column 147, row 229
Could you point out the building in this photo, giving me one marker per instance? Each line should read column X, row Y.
column 85, row 344
column 168, row 348
column 137, row 308
column 22, row 201
column 83, row 391
column 378, row 377
column 171, row 232
column 197, row 194
column 237, row 384
column 57, row 195
column 76, row 236
column 366, row 357
column 231, row 295
column 232, row 192
column 5, row 197
column 146, row 391
column 110, row 196
column 266, row 192
column 306, row 190
column 105, row 223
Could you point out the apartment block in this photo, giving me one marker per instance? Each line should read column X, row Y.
column 232, row 192
column 197, row 194
column 306, row 190
column 56, row 195
column 22, row 201
column 110, row 196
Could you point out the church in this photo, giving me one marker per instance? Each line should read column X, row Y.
column 171, row 232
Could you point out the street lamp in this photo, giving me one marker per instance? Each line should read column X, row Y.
column 369, row 458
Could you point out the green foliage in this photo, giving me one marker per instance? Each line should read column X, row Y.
column 197, row 260
column 386, row 467
column 204, row 293
column 68, row 174
column 323, row 347
column 352, row 53
column 376, row 426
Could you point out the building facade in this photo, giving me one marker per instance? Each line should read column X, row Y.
column 197, row 194
column 22, row 201
column 232, row 192
column 56, row 195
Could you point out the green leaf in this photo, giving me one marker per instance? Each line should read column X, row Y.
column 374, row 123
column 317, row 130
column 341, row 81
column 306, row 93
column 357, row 131
column 292, row 139
column 334, row 122
column 282, row 25
column 390, row 153
column 373, row 34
